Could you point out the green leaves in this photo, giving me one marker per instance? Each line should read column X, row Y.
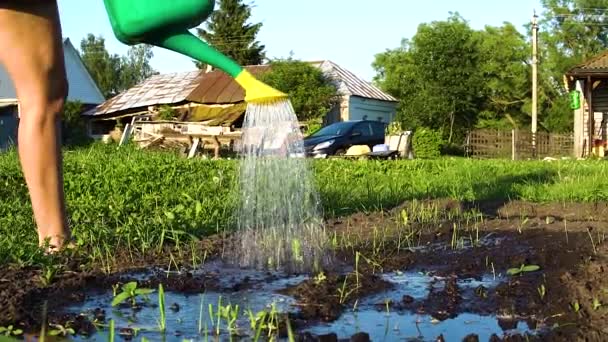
column 523, row 269
column 111, row 72
column 10, row 331
column 311, row 92
column 121, row 297
column 130, row 292
column 229, row 30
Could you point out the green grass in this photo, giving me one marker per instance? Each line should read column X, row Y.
column 139, row 201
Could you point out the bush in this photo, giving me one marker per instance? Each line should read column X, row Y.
column 74, row 126
column 312, row 93
column 427, row 143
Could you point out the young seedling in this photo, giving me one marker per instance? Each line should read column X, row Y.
column 542, row 291
column 10, row 331
column 162, row 324
column 320, row 278
column 230, row 314
column 522, row 225
column 130, row 292
column 112, row 331
column 522, row 269
column 596, row 304
column 60, row 330
column 576, row 306
column 592, row 242
column 343, row 292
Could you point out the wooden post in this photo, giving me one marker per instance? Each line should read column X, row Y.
column 513, row 152
column 590, row 114
column 125, row 135
column 194, row 148
column 217, row 146
column 534, row 82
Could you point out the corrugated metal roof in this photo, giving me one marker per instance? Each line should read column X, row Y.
column 156, row 90
column 217, row 87
column 598, row 64
column 351, row 84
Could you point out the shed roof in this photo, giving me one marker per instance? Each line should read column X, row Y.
column 350, row 84
column 217, row 87
column 594, row 66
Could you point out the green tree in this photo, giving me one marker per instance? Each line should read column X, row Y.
column 135, row 66
column 114, row 73
column 436, row 76
column 228, row 29
column 505, row 71
column 312, row 93
column 104, row 67
column 74, row 126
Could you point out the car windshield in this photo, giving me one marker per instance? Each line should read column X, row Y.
column 334, row 129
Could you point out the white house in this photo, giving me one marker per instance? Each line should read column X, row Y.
column 360, row 100
column 82, row 88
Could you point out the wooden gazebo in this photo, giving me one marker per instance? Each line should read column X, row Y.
column 589, row 83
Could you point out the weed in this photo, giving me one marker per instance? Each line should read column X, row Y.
column 49, row 272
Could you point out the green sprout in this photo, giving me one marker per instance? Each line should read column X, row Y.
column 130, row 292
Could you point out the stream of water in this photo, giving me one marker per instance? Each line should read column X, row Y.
column 279, row 221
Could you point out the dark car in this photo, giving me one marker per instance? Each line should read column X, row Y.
column 336, row 138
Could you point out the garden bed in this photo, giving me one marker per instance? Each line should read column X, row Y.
column 423, row 271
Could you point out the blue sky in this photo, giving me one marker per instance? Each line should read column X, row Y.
column 338, row 30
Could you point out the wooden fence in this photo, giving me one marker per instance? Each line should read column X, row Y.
column 517, row 144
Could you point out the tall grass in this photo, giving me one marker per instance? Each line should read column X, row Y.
column 139, row 201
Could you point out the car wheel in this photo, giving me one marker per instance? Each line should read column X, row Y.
column 340, row 152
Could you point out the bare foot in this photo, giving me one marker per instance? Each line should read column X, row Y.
column 56, row 243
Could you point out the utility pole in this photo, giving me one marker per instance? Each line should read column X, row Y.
column 534, row 81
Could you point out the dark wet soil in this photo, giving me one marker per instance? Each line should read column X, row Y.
column 566, row 299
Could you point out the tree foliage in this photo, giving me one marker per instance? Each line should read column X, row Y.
column 228, row 30
column 312, row 93
column 114, row 73
column 436, row 77
column 505, row 75
column 73, row 125
column 452, row 78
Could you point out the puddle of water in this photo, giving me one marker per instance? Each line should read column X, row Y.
column 410, row 327
column 382, row 326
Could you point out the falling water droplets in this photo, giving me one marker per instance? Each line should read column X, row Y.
column 280, row 225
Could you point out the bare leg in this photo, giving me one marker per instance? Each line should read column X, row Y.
column 31, row 50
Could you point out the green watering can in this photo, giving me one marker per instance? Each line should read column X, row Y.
column 166, row 24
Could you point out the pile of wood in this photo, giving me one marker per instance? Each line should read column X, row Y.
column 186, row 137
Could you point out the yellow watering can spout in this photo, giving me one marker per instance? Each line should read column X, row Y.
column 257, row 91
